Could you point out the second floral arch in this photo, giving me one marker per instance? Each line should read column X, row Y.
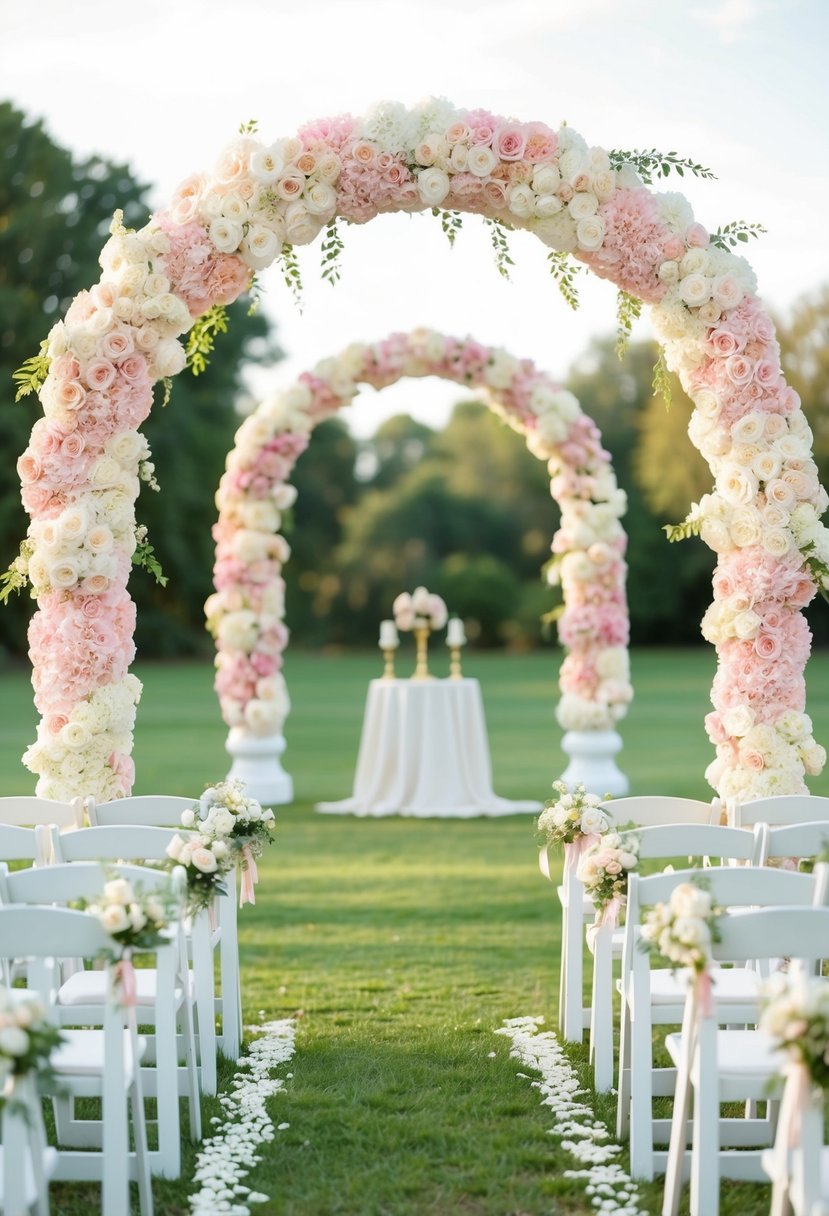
column 246, row 612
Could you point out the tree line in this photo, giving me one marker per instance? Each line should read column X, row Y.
column 465, row 510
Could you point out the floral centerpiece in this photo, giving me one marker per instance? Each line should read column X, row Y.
column 422, row 612
column 225, row 816
column 135, row 921
column 796, row 1014
column 682, row 931
column 27, row 1040
column 604, row 870
column 575, row 820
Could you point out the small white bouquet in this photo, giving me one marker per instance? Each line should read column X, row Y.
column 683, row 931
column 795, row 1012
column 604, row 870
column 27, row 1040
column 227, row 818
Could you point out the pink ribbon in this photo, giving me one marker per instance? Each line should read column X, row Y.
column 574, row 850
column 798, row 1089
column 703, row 985
column 125, row 975
column 249, row 876
column 609, row 916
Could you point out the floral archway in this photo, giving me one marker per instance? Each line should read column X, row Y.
column 96, row 372
column 245, row 615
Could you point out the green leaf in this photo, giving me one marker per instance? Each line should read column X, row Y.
column 31, row 374
column 250, row 127
column 628, row 310
column 500, row 246
column 737, row 230
column 202, row 338
column 332, row 247
column 649, row 163
column 144, row 555
column 291, row 273
column 689, row 527
column 661, row 382
column 564, row 270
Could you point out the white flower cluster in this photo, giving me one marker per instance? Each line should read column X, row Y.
column 226, row 1157
column 123, row 912
column 200, row 852
column 79, row 546
column 795, row 1011
column 19, row 1019
column 572, row 815
column 76, row 759
column 419, row 610
column 224, row 811
column 681, row 929
column 609, row 1188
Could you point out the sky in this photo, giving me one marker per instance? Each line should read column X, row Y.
column 737, row 85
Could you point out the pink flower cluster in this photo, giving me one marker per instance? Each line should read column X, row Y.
column 245, row 612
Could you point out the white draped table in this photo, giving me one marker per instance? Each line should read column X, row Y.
column 424, row 752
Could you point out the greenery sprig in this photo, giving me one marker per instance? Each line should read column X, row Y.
column 628, row 310
column 332, row 248
column 690, row 526
column 817, row 568
column 250, row 127
column 735, row 233
column 451, row 222
column 12, row 580
column 500, row 246
column 291, row 273
column 255, row 293
column 144, row 555
column 650, row 163
column 202, row 337
column 564, row 270
column 31, row 374
column 661, row 382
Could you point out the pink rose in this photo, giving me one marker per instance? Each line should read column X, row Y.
column 509, row 143
column 723, row 342
column 696, row 236
column 739, row 369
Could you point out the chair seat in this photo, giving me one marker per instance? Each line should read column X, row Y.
column 742, row 1055
column 732, row 985
column 82, row 1053
column 50, row 1161
column 90, row 987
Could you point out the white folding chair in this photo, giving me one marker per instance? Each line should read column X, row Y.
column 23, row 811
column 162, row 996
column 577, row 909
column 135, row 842
column 90, row 1063
column 798, row 1164
column 779, row 811
column 691, row 840
column 653, row 996
column 165, row 810
column 26, row 1161
column 800, row 840
column 718, row 1065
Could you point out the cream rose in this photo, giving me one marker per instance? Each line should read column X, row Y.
column 226, row 234
column 694, row 290
column 433, row 186
column 590, row 233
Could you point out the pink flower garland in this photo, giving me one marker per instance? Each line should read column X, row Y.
column 79, row 474
column 245, row 614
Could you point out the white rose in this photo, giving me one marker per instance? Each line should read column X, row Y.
column 571, row 163
column 593, row 822
column 320, row 198
column 433, row 186
column 776, row 541
column 521, row 200
column 694, row 261
column 63, row 574
column 263, row 717
column 746, row 624
column 300, row 226
column 726, row 291
column 583, row 205
column 604, row 184
column 766, row 466
column 261, row 246
column 745, row 528
column 74, row 736
column 204, row 860
column 737, row 486
column 481, row 161
column 137, row 918
column 547, row 205
column 169, row 358
column 749, row 428
column 188, row 819
column 590, row 233
column 226, row 234
column 266, row 164
column 14, row 1041
column 694, row 289
column 738, row 720
column 546, row 179
column 668, row 273
column 114, row 918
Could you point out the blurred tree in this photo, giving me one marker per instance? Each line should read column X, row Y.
column 667, row 467
column 669, row 586
column 397, row 446
column 54, row 218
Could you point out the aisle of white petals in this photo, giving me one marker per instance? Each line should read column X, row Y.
column 230, row 1153
column 582, row 1135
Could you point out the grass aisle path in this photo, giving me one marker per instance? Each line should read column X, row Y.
column 404, row 943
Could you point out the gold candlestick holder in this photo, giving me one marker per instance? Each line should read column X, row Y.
column 388, row 669
column 421, row 671
column 455, row 672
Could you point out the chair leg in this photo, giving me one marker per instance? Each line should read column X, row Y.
column 623, row 1086
column 679, row 1121
column 705, row 1154
column 115, row 1187
column 231, row 1037
column 573, row 999
column 641, row 1099
column 562, row 971
column 601, row 1013
column 142, row 1154
column 205, row 1007
column 166, row 1071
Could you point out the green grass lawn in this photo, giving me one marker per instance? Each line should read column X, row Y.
column 400, row 944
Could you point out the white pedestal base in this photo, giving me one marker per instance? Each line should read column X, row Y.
column 256, row 762
column 592, row 762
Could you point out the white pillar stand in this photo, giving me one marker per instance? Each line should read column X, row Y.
column 256, row 762
column 592, row 763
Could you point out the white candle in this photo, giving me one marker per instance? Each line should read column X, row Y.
column 455, row 635
column 388, row 635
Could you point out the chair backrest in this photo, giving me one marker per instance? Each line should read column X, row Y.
column 39, row 932
column 796, row 840
column 24, row 844
column 152, row 810
column 746, row 886
column 779, row 811
column 59, row 884
column 129, row 842
column 20, row 810
column 698, row 840
column 650, row 810
column 771, row 933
